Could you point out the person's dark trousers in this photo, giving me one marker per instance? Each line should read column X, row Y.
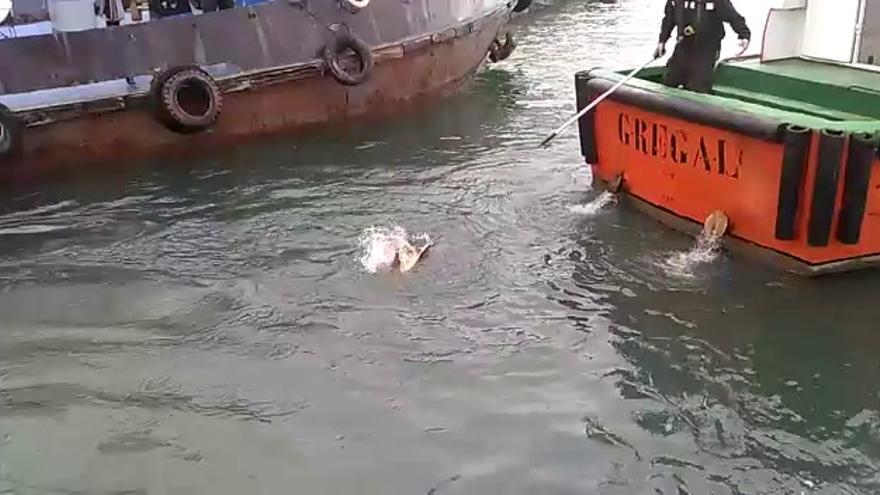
column 214, row 5
column 692, row 65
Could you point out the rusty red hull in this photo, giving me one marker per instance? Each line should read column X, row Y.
column 259, row 103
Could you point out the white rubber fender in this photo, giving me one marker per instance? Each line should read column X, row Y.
column 355, row 5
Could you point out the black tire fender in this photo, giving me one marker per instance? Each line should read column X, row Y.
column 501, row 51
column 334, row 49
column 11, row 130
column 522, row 5
column 186, row 99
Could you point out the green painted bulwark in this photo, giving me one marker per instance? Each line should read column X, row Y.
column 835, row 92
column 800, row 92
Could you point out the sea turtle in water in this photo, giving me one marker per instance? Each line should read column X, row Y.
column 408, row 255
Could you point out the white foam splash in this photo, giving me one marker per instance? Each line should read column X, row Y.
column 682, row 264
column 594, row 206
column 379, row 245
column 30, row 229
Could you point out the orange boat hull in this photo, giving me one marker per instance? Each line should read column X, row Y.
column 681, row 171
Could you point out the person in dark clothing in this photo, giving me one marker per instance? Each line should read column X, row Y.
column 699, row 28
column 214, row 5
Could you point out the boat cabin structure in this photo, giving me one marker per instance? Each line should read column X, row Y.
column 785, row 145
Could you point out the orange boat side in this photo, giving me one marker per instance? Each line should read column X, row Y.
column 689, row 170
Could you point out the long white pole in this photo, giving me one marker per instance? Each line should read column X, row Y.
column 595, row 102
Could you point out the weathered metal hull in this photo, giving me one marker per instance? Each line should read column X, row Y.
column 257, row 101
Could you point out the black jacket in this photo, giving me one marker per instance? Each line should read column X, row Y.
column 707, row 17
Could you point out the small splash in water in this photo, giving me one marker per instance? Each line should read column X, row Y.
column 379, row 245
column 682, row 264
column 31, row 229
column 594, row 206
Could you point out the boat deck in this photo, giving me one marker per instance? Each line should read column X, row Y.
column 835, row 92
column 811, row 70
column 801, row 91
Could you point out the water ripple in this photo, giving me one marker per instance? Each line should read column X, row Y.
column 210, row 321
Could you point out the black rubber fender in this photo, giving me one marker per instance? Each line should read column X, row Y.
column 522, row 5
column 159, row 77
column 335, row 48
column 501, row 51
column 186, row 99
column 856, row 182
column 354, row 6
column 11, row 133
column 824, row 199
column 587, row 126
column 796, row 150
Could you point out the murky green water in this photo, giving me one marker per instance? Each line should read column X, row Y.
column 208, row 328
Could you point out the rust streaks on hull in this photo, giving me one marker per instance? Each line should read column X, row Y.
column 259, row 103
column 278, row 33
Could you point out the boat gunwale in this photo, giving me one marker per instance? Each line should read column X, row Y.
column 669, row 104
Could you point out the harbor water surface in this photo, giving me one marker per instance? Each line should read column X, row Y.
column 209, row 327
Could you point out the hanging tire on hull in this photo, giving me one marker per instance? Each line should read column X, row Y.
column 354, row 6
column 332, row 59
column 186, row 99
column 501, row 51
column 522, row 5
column 10, row 134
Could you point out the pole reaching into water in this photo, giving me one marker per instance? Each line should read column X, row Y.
column 595, row 102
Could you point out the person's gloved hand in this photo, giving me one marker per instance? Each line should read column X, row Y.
column 743, row 46
column 660, row 50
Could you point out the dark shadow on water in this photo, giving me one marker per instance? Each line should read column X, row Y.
column 754, row 365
